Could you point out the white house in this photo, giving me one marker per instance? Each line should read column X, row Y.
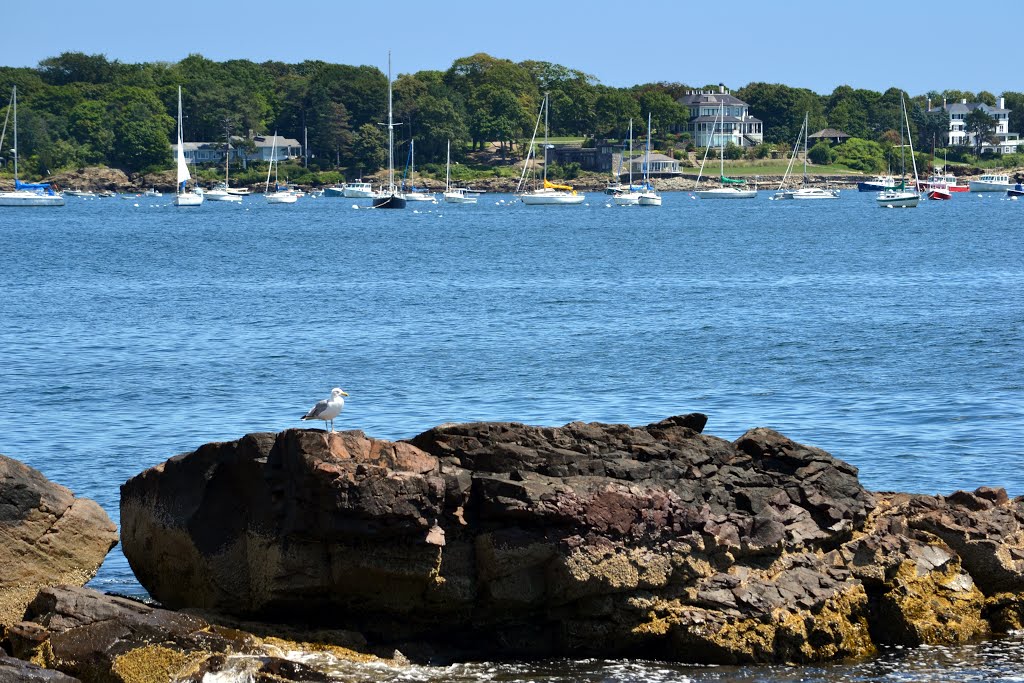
column 734, row 122
column 958, row 135
column 658, row 165
column 213, row 152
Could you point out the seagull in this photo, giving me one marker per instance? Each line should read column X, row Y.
column 327, row 409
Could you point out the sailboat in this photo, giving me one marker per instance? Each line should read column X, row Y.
column 648, row 197
column 416, row 194
column 390, row 197
column 222, row 193
column 181, row 197
column 630, row 197
column 455, row 195
column 728, row 189
column 803, row 192
column 279, row 195
column 548, row 193
column 25, row 194
column 899, row 197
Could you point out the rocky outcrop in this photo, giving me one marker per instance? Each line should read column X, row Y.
column 17, row 671
column 105, row 639
column 47, row 537
column 501, row 539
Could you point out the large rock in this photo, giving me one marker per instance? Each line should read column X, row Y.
column 107, row 639
column 586, row 540
column 47, row 537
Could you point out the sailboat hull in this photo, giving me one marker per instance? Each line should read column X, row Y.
column 188, row 199
column 222, row 196
column 650, row 199
column 391, row 201
column 549, row 198
column 898, row 200
column 726, row 193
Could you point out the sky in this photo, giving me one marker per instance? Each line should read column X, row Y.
column 872, row 44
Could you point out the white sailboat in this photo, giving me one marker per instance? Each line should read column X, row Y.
column 181, row 197
column 390, row 197
column 648, row 197
column 278, row 196
column 25, row 194
column 455, row 195
column 802, row 192
column 631, row 197
column 899, row 197
column 727, row 189
column 548, row 194
column 222, row 192
column 415, row 194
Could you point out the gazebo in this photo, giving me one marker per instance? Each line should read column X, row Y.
column 833, row 136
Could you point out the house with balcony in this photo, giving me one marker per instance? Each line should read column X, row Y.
column 1007, row 143
column 719, row 118
column 264, row 146
column 659, row 165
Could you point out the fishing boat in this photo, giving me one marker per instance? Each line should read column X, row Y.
column 878, row 183
column 727, row 189
column 152, row 192
column 455, row 195
column 991, row 182
column 648, row 196
column 630, row 196
column 280, row 195
column 181, row 197
column 804, row 191
column 25, row 194
column 390, row 197
column 79, row 193
column 1016, row 191
column 899, row 197
column 547, row 193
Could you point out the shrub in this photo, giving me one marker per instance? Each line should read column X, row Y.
column 820, row 154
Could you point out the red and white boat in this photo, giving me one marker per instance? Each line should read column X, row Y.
column 948, row 180
column 937, row 190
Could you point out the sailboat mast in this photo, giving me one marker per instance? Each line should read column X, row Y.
column 721, row 146
column 631, row 155
column 14, row 98
column 391, row 135
column 448, row 167
column 545, row 139
column 805, row 149
column 647, row 152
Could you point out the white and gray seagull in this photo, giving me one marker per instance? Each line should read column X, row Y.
column 327, row 409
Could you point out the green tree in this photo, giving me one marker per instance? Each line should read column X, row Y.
column 1015, row 103
column 91, row 126
column 369, row 151
column 614, row 108
column 782, row 109
column 981, row 127
column 77, row 67
column 141, row 128
column 820, row 154
column 861, row 155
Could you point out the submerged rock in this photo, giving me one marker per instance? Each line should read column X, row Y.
column 47, row 537
column 507, row 540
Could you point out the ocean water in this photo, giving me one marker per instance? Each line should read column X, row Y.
column 131, row 330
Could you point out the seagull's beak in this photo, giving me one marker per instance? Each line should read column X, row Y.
column 344, row 393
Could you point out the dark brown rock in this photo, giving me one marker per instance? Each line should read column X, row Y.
column 17, row 671
column 47, row 537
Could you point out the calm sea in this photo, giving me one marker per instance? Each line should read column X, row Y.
column 131, row 331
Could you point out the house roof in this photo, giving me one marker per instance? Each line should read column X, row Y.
column 655, row 156
column 268, row 140
column 727, row 119
column 716, row 98
column 829, row 133
column 961, row 108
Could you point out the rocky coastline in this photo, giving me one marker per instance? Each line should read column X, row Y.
column 503, row 540
column 115, row 180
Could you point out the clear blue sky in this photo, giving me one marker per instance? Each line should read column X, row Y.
column 816, row 45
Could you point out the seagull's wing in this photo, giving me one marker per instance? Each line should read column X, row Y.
column 316, row 410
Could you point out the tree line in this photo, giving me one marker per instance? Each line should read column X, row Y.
column 77, row 109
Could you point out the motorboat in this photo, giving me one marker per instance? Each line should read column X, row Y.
column 27, row 194
column 79, row 193
column 991, row 182
column 356, row 190
column 947, row 179
column 1016, row 191
column 879, row 183
column 106, row 194
column 938, row 190
column 152, row 192
column 220, row 193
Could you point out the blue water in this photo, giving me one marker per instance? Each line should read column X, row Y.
column 131, row 330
